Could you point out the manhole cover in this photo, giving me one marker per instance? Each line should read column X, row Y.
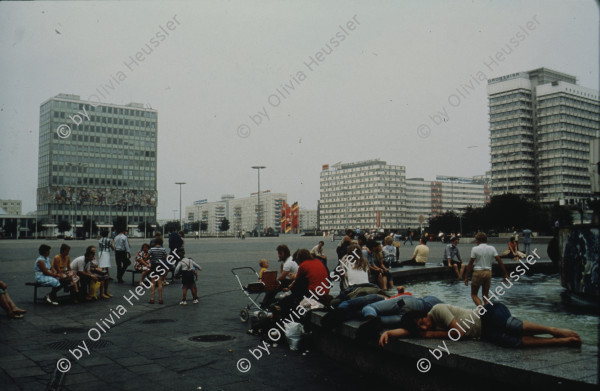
column 211, row 338
column 153, row 321
column 64, row 345
column 67, row 330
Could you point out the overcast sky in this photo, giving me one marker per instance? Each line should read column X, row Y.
column 374, row 96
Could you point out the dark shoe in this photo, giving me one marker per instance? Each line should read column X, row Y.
column 333, row 319
column 369, row 328
column 160, row 302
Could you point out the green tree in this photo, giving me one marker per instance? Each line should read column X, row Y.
column 447, row 222
column 63, row 226
column 224, row 226
column 172, row 226
column 10, row 228
column 120, row 224
column 148, row 227
column 86, row 228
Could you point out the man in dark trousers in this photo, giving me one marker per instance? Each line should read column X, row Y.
column 122, row 254
column 175, row 242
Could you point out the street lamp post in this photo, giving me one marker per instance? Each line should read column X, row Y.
column 180, row 221
column 258, row 221
column 74, row 228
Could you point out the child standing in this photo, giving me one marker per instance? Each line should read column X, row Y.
column 142, row 261
column 264, row 265
column 188, row 275
column 156, row 254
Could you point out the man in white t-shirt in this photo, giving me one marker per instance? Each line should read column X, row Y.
column 289, row 267
column 482, row 257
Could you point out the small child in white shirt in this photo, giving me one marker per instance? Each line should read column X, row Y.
column 188, row 270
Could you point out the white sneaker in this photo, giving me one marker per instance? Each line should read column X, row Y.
column 183, row 302
column 50, row 301
column 195, row 301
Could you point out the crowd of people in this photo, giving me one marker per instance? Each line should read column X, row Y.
column 88, row 276
column 362, row 269
column 388, row 312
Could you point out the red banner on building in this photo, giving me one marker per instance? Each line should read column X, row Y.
column 290, row 216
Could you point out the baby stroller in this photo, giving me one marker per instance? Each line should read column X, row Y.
column 258, row 289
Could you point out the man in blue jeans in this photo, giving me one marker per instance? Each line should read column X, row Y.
column 491, row 322
column 378, row 311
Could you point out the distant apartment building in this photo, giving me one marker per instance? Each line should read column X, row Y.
column 367, row 194
column 12, row 207
column 426, row 199
column 541, row 127
column 372, row 194
column 96, row 161
column 242, row 213
column 308, row 220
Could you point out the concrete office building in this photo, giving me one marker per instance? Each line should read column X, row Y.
column 541, row 126
column 241, row 212
column 308, row 220
column 426, row 199
column 105, row 167
column 367, row 194
column 11, row 207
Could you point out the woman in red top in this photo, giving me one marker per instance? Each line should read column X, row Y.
column 311, row 277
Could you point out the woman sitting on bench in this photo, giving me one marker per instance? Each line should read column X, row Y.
column 6, row 302
column 44, row 274
column 61, row 265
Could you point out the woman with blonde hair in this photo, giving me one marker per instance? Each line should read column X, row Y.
column 356, row 266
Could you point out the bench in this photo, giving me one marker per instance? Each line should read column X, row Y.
column 133, row 273
column 35, row 286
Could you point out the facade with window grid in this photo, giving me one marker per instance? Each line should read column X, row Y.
column 104, row 169
column 368, row 194
column 541, row 127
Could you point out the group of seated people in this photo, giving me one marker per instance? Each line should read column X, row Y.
column 396, row 313
column 82, row 276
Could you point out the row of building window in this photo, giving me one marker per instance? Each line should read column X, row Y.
column 59, row 104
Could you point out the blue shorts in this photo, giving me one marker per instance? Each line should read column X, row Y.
column 500, row 327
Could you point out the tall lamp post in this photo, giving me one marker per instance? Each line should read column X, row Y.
column 180, row 222
column 258, row 220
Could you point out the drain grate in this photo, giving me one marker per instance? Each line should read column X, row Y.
column 67, row 330
column 70, row 344
column 154, row 321
column 211, row 338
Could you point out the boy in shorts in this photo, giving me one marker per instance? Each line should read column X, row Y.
column 492, row 322
column 188, row 276
column 481, row 260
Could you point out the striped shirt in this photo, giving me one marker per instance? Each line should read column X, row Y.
column 156, row 254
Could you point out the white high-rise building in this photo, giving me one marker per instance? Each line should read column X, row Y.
column 308, row 219
column 372, row 194
column 541, row 126
column 241, row 212
column 426, row 199
column 367, row 194
column 96, row 162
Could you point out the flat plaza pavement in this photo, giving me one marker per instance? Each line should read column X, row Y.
column 149, row 346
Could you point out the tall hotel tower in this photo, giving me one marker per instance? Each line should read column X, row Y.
column 96, row 162
column 541, row 126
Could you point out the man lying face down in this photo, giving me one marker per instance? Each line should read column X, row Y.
column 491, row 322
